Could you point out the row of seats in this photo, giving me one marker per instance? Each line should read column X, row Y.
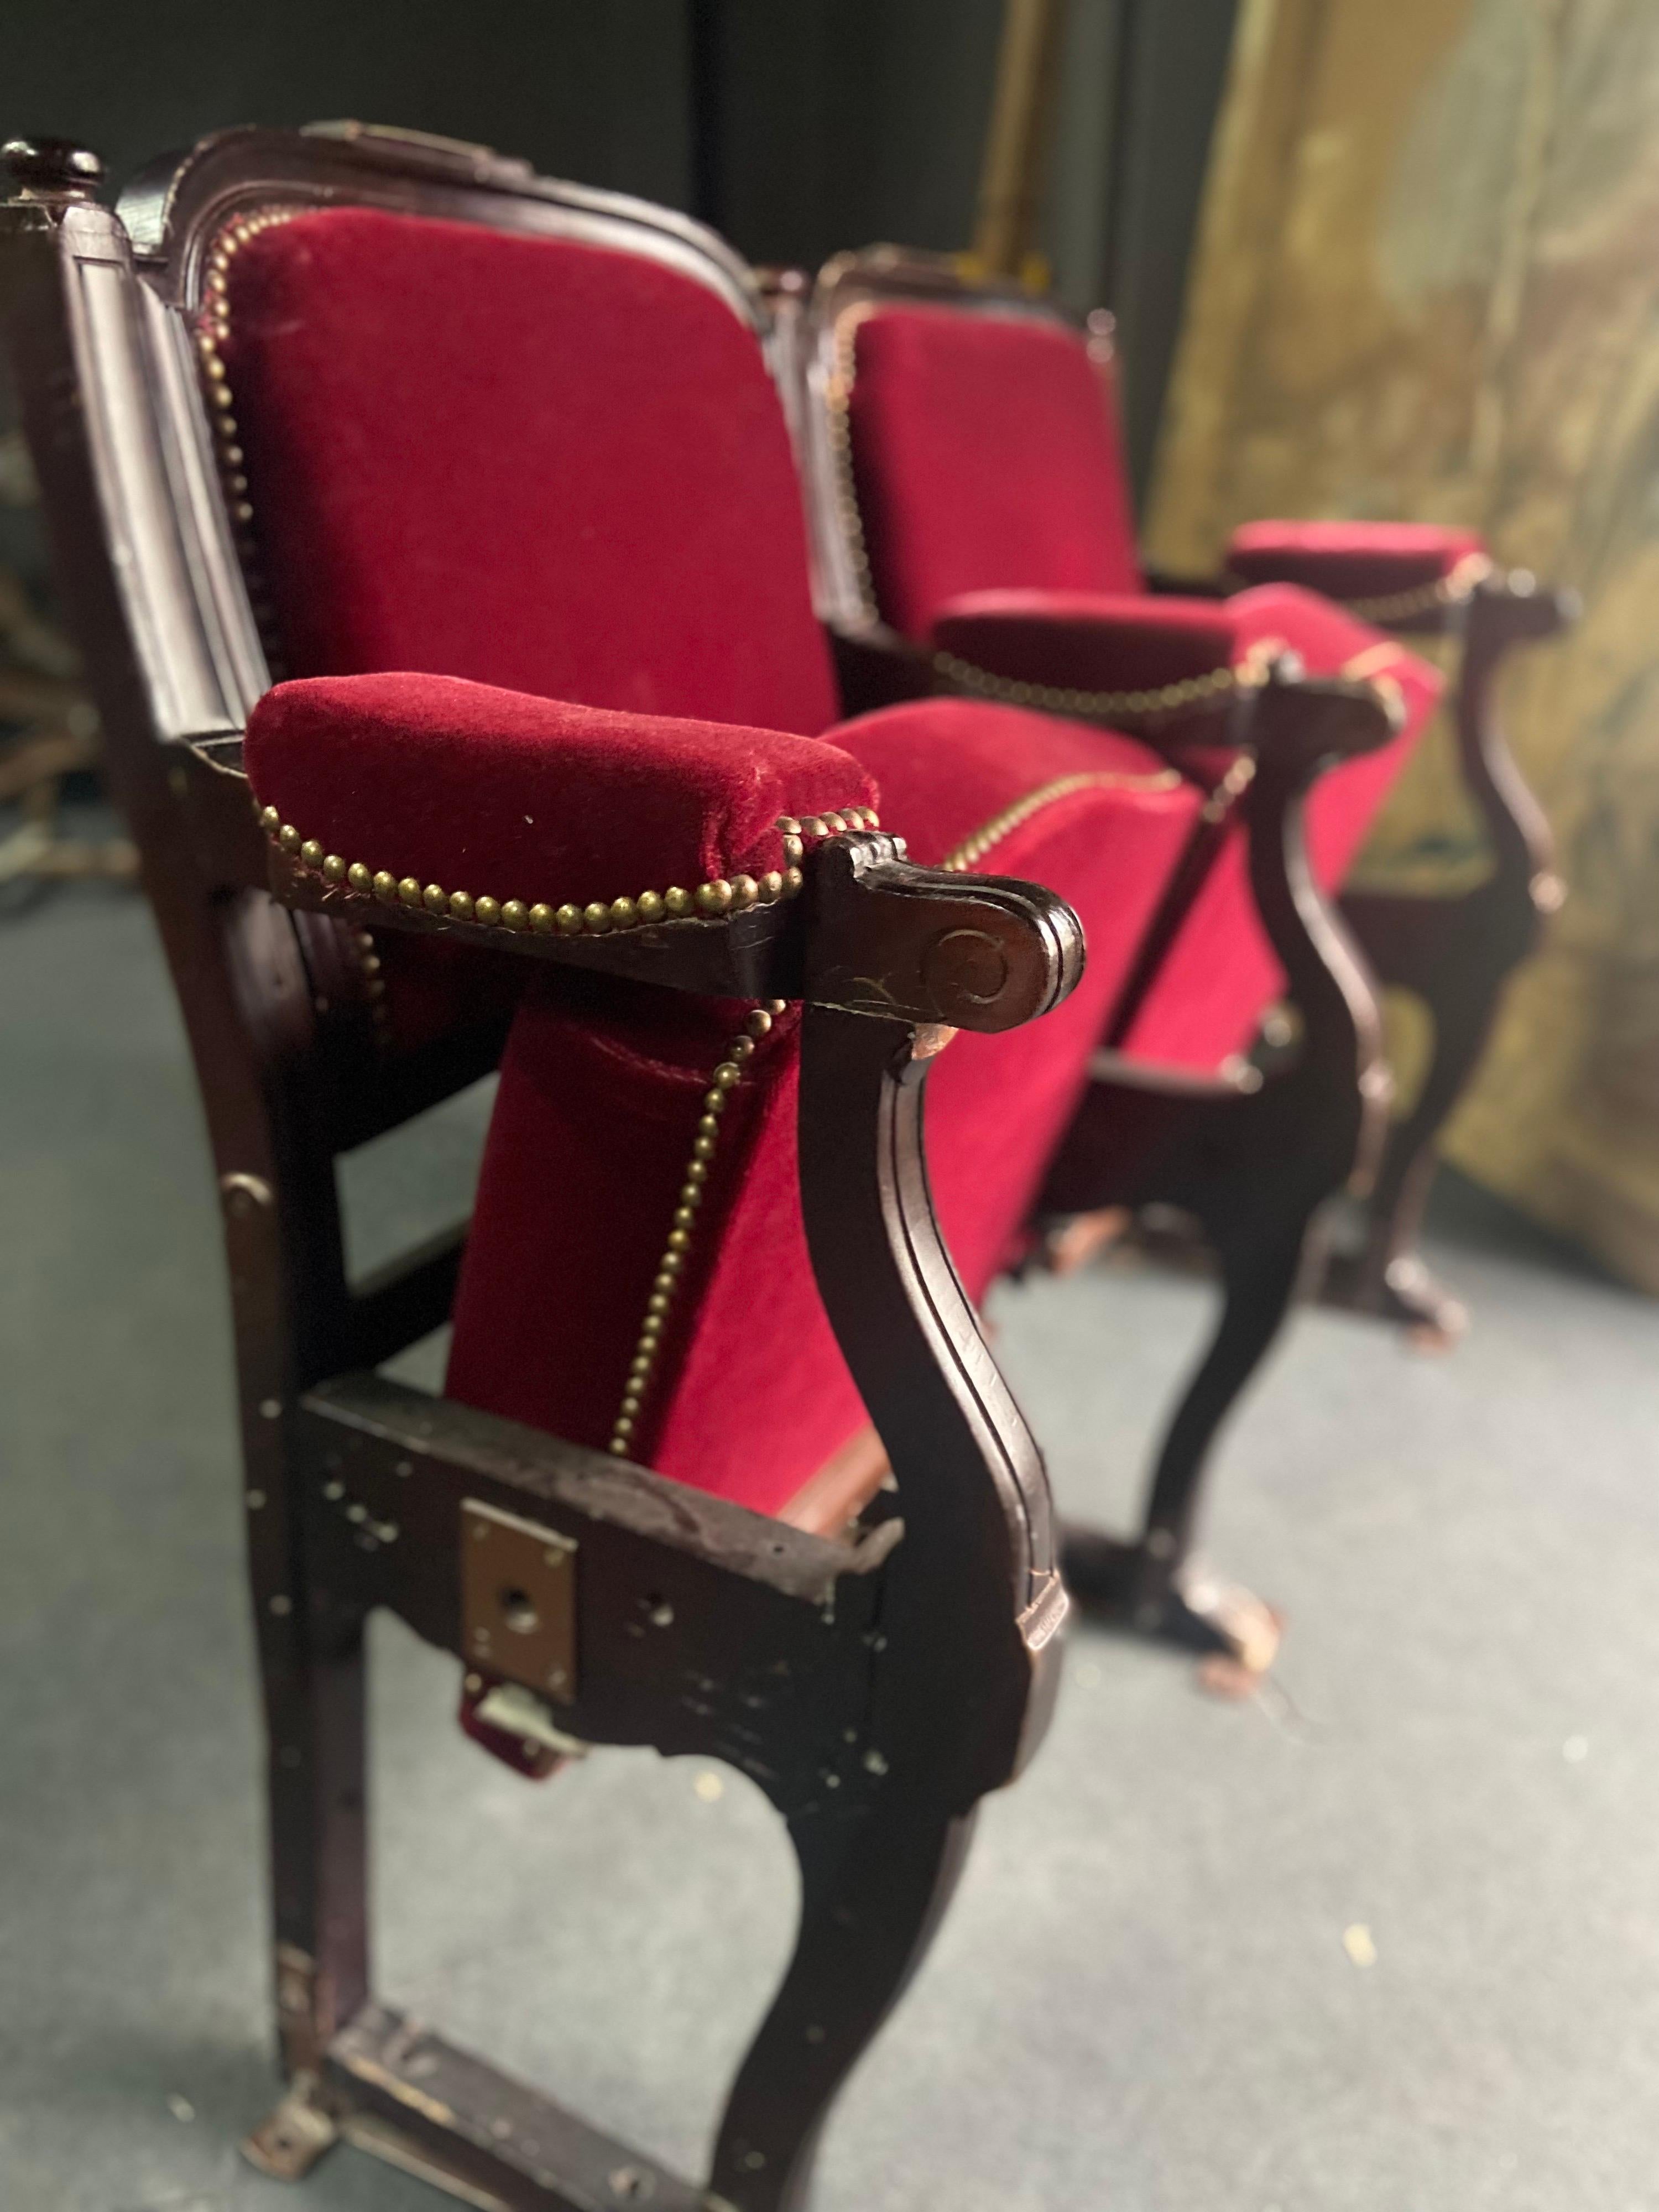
column 722, row 700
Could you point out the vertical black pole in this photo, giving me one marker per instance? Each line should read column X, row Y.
column 708, row 113
column 1119, row 157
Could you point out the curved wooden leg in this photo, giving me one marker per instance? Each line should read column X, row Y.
column 1253, row 1165
column 1386, row 1275
column 1456, row 954
column 875, row 1880
column 1148, row 1585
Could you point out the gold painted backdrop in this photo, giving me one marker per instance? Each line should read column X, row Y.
column 1427, row 287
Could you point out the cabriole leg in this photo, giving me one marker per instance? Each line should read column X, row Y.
column 875, row 1880
column 1147, row 1585
column 1456, row 954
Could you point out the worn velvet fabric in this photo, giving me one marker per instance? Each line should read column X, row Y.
column 501, row 485
column 1349, row 560
column 986, row 453
column 506, row 794
column 598, row 1105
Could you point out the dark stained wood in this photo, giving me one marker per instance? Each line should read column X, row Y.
column 1251, row 1167
column 1456, row 955
column 874, row 1685
column 1251, row 1160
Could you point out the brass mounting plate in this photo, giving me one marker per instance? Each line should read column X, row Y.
column 518, row 1599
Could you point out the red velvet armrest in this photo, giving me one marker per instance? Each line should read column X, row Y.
column 1087, row 640
column 1359, row 561
column 1093, row 642
column 465, row 798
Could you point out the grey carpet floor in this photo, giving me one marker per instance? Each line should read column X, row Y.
column 1143, row 2002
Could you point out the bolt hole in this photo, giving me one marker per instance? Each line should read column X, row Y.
column 518, row 1612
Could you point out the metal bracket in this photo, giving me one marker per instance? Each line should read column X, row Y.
column 518, row 1599
column 303, row 2126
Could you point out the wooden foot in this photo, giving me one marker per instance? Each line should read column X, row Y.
column 1406, row 1292
column 1129, row 1586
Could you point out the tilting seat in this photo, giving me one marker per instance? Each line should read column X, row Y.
column 504, row 497
column 973, row 534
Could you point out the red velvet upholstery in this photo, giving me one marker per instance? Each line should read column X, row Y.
column 490, row 792
column 464, row 460
column 461, row 460
column 996, row 518
column 753, row 1396
column 561, row 472
column 1096, row 641
column 1221, row 970
column 986, row 453
column 434, row 988
column 1350, row 560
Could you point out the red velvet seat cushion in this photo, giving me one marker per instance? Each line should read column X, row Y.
column 481, row 791
column 986, row 453
column 598, row 1110
column 1350, row 560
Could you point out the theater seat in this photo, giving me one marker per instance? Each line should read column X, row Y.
column 642, row 536
column 993, row 530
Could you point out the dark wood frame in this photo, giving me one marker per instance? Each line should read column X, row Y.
column 1454, row 951
column 1253, row 1161
column 873, row 1685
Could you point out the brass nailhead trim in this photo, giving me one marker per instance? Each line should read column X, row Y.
column 1450, row 590
column 722, row 897
column 838, row 404
column 1208, row 691
column 730, row 1071
column 728, row 1074
column 1013, row 817
column 368, row 966
column 1237, row 780
column 212, row 331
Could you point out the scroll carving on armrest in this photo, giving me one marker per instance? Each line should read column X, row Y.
column 1298, row 727
column 928, row 945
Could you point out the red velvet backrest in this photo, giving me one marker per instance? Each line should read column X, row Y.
column 463, row 459
column 986, row 458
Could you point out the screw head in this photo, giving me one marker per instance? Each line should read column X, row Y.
column 52, row 165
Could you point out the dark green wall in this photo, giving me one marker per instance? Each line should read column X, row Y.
column 798, row 126
column 846, row 121
column 592, row 88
